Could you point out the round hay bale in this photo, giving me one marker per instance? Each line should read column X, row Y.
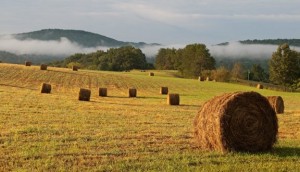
column 132, row 92
column 75, row 68
column 201, row 78
column 27, row 63
column 173, row 99
column 164, row 90
column 103, row 92
column 84, row 94
column 241, row 121
column 151, row 74
column 46, row 88
column 259, row 86
column 43, row 67
column 277, row 103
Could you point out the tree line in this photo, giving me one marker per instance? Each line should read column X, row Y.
column 190, row 61
column 114, row 59
column 193, row 61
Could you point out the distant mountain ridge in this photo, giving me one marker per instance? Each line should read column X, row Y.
column 291, row 42
column 83, row 38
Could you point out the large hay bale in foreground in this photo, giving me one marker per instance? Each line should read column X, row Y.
column 173, row 99
column 84, row 94
column 103, row 92
column 43, row 67
column 27, row 63
column 164, row 90
column 259, row 86
column 46, row 88
column 132, row 92
column 277, row 103
column 151, row 74
column 242, row 121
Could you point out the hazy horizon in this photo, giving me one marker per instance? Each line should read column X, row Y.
column 65, row 47
column 165, row 22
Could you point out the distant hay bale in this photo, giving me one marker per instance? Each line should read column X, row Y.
column 75, row 68
column 151, row 74
column 46, row 88
column 43, row 67
column 241, row 121
column 201, row 78
column 277, row 103
column 27, row 63
column 259, row 86
column 84, row 94
column 173, row 99
column 164, row 90
column 103, row 92
column 132, row 92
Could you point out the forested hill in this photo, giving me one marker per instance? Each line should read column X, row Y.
column 84, row 38
column 291, row 42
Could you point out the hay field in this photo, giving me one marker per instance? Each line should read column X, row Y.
column 56, row 132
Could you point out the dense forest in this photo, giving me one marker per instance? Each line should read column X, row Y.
column 114, row 59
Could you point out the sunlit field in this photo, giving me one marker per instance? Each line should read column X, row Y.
column 56, row 132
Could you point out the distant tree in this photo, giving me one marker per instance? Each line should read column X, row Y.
column 123, row 58
column 285, row 67
column 221, row 74
column 195, row 59
column 257, row 73
column 165, row 59
column 237, row 71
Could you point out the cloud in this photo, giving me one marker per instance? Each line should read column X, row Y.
column 62, row 47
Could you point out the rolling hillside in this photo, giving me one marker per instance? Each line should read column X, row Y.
column 77, row 38
column 56, row 132
column 83, row 38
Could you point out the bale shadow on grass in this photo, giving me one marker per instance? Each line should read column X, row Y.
column 286, row 151
column 144, row 97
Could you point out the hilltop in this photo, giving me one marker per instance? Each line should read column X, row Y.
column 77, row 40
column 83, row 38
column 291, row 42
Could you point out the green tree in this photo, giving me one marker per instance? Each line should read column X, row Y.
column 285, row 67
column 123, row 58
column 166, row 59
column 257, row 73
column 195, row 59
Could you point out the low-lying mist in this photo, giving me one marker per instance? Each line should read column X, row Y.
column 62, row 47
column 65, row 47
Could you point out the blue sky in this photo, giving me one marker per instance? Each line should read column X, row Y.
column 161, row 21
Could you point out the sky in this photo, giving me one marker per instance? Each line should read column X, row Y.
column 158, row 21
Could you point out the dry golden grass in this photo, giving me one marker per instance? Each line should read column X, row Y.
column 56, row 132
